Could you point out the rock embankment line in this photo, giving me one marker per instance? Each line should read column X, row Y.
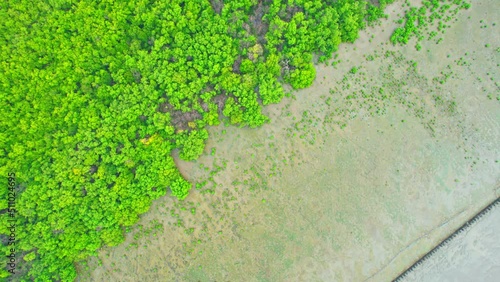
column 462, row 228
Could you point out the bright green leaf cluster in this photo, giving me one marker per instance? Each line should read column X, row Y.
column 416, row 20
column 97, row 96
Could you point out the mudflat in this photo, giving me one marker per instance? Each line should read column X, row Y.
column 354, row 178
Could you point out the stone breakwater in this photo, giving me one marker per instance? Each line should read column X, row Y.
column 467, row 225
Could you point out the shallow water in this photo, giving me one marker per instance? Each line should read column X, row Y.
column 341, row 185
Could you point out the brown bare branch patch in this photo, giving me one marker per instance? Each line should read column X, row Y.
column 217, row 5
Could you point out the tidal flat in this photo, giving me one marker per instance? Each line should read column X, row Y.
column 353, row 179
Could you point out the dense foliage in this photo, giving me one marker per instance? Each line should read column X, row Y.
column 97, row 95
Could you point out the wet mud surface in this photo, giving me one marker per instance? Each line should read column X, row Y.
column 354, row 178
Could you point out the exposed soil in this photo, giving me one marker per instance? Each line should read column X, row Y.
column 180, row 119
